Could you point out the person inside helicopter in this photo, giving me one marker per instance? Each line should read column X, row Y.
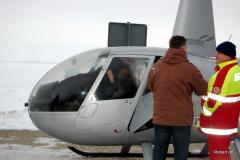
column 117, row 83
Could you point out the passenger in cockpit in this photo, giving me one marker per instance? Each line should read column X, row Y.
column 118, row 83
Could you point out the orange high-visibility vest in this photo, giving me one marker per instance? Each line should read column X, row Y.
column 221, row 104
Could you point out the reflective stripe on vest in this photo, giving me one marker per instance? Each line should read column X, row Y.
column 206, row 111
column 221, row 99
column 218, row 131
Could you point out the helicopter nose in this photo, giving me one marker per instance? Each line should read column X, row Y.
column 64, row 88
column 58, row 125
column 57, row 97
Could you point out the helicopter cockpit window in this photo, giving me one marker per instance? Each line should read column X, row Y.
column 121, row 79
column 64, row 88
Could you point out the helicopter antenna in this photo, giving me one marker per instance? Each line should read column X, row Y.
column 229, row 37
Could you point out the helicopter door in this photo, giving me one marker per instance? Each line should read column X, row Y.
column 116, row 91
column 143, row 114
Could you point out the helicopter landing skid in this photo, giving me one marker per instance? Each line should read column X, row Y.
column 105, row 154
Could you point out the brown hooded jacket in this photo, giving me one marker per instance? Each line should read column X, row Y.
column 172, row 81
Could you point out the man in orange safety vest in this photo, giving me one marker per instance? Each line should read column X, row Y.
column 221, row 103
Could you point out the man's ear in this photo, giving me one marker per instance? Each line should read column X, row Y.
column 182, row 48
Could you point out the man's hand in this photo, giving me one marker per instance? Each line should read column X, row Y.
column 110, row 76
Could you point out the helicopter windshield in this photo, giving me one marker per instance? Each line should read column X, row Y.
column 65, row 87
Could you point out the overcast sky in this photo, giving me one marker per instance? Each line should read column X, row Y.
column 54, row 30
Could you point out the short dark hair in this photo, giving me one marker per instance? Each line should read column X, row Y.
column 177, row 42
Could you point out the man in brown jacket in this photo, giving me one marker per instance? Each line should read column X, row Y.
column 172, row 81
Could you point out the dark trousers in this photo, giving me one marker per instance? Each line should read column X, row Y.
column 181, row 140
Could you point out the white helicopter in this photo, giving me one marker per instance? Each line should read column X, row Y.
column 77, row 103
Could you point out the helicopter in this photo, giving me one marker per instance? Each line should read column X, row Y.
column 74, row 101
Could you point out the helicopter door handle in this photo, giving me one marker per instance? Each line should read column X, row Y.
column 126, row 101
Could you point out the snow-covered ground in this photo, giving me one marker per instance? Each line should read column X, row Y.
column 17, row 81
column 44, row 152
